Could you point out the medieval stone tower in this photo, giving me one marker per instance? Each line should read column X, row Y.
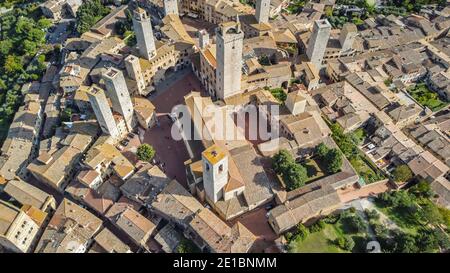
column 144, row 34
column 134, row 71
column 318, row 42
column 117, row 90
column 215, row 172
column 203, row 38
column 102, row 112
column 262, row 11
column 229, row 43
column 347, row 36
column 170, row 7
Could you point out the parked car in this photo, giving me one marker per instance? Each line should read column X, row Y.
column 131, row 135
column 124, row 142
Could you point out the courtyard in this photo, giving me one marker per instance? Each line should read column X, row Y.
column 426, row 97
column 314, row 169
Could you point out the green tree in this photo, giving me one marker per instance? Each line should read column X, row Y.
column 187, row 246
column 120, row 27
column 372, row 214
column 29, row 47
column 331, row 157
column 345, row 242
column 370, row 7
column 431, row 214
column 422, row 189
column 355, row 223
column 317, row 226
column 89, row 13
column 145, row 152
column 358, row 136
column 66, row 115
column 349, row 244
column 402, row 173
column 302, row 232
column 5, row 47
column 24, row 25
column 294, row 176
column 3, row 85
column 333, row 160
column 406, row 243
column 328, row 11
column 445, row 216
column 44, row 23
column 13, row 64
column 340, row 242
column 427, row 240
column 288, row 236
column 281, row 160
column 321, row 150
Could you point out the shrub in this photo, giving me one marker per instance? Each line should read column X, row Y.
column 372, row 214
column 317, row 226
column 187, row 246
column 349, row 244
column 402, row 173
column 145, row 152
column 302, row 232
column 340, row 242
column 331, row 219
column 355, row 223
column 422, row 189
column 288, row 236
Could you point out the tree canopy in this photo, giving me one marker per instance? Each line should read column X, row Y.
column 294, row 175
column 402, row 173
column 89, row 13
column 145, row 152
column 331, row 157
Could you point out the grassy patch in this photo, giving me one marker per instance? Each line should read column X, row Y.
column 324, row 241
column 318, row 242
column 314, row 169
column 279, row 94
column 400, row 219
column 426, row 97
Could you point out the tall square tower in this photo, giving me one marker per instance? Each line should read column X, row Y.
column 229, row 43
column 170, row 7
column 117, row 90
column 318, row 42
column 144, row 34
column 102, row 112
column 347, row 36
column 134, row 71
column 215, row 172
column 262, row 11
